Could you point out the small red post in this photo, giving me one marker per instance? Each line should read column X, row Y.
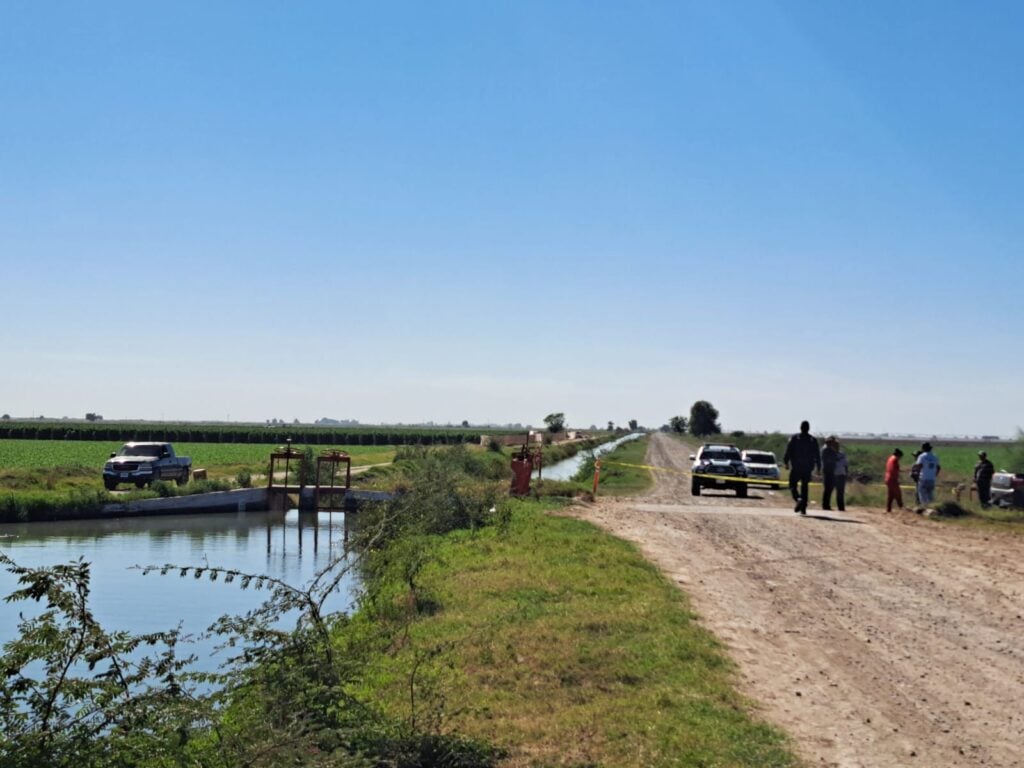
column 597, row 473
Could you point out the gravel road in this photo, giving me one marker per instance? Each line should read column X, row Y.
column 874, row 639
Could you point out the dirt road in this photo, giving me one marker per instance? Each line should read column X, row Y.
column 875, row 639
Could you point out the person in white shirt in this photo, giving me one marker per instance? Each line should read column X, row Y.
column 928, row 472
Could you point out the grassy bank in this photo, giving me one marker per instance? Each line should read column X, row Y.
column 622, row 472
column 562, row 645
column 621, row 475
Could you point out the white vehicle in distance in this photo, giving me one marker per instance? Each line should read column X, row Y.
column 761, row 465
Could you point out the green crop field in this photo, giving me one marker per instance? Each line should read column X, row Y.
column 49, row 454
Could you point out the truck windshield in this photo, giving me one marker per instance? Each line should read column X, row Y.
column 722, row 455
column 761, row 458
column 140, row 450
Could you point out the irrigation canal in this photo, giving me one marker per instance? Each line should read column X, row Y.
column 289, row 545
column 567, row 468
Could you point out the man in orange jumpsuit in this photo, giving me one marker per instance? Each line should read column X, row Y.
column 892, row 481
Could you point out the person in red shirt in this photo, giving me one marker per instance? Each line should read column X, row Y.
column 892, row 481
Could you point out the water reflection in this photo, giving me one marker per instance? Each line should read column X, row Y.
column 290, row 546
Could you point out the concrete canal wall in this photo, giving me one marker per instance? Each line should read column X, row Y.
column 239, row 500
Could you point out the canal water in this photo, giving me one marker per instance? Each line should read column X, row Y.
column 567, row 468
column 291, row 546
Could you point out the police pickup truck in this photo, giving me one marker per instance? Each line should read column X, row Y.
column 144, row 464
column 718, row 466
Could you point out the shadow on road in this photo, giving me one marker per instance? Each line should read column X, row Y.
column 829, row 519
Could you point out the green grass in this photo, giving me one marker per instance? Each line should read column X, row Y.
column 1006, row 519
column 563, row 645
column 618, row 478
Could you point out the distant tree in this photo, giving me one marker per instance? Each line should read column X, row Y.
column 678, row 424
column 555, row 422
column 6, row 417
column 704, row 419
column 611, row 426
column 93, row 417
column 465, row 423
column 633, row 425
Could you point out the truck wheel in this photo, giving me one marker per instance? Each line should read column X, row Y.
column 741, row 491
column 695, row 487
column 183, row 478
column 109, row 484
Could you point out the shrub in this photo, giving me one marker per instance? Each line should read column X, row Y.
column 163, row 489
column 26, row 506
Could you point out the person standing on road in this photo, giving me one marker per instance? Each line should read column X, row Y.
column 915, row 477
column 802, row 458
column 929, row 473
column 892, row 481
column 829, row 456
column 983, row 472
column 839, row 476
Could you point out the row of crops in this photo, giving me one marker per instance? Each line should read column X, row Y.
column 236, row 433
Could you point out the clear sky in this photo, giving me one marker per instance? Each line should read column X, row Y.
column 410, row 211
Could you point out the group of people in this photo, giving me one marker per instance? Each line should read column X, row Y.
column 924, row 472
column 803, row 459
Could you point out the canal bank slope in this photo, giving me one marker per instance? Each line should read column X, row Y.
column 875, row 639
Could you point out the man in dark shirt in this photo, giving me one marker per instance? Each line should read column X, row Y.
column 983, row 472
column 802, row 458
column 829, row 457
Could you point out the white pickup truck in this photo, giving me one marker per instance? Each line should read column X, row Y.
column 145, row 463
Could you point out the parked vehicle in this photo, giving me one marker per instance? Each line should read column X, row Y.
column 144, row 464
column 719, row 466
column 761, row 465
column 1008, row 489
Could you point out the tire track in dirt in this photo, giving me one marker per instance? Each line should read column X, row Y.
column 875, row 639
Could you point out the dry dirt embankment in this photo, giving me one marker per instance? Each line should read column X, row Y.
column 875, row 639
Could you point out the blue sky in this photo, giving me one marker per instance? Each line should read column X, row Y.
column 405, row 211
